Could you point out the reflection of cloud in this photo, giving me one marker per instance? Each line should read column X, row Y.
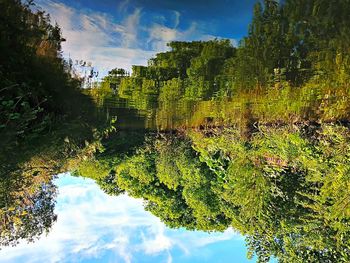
column 97, row 37
column 128, row 37
column 156, row 242
column 177, row 18
column 123, row 5
column 160, row 35
column 131, row 25
column 94, row 226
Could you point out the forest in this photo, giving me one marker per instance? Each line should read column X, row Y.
column 45, row 120
column 254, row 137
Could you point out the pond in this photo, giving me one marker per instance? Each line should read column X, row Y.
column 211, row 151
column 118, row 229
column 208, row 174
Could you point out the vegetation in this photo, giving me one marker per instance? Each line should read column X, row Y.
column 253, row 137
column 45, row 120
column 292, row 67
column 285, row 188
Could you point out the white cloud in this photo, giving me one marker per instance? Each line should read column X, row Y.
column 160, row 35
column 156, row 242
column 118, row 40
column 123, row 5
column 159, row 32
column 131, row 25
column 177, row 15
column 91, row 224
column 97, row 37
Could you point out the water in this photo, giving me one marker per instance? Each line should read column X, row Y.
column 213, row 150
column 283, row 106
column 263, row 163
column 266, row 166
column 95, row 227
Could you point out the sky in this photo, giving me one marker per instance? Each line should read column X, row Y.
column 95, row 227
column 122, row 33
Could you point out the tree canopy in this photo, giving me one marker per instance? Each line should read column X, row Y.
column 285, row 188
column 254, row 136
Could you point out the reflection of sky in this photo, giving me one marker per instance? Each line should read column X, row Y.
column 95, row 227
column 121, row 33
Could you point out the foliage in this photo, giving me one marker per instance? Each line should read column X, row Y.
column 36, row 85
column 45, row 120
column 253, row 137
column 285, row 188
column 27, row 212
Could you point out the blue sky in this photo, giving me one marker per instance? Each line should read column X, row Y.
column 120, row 33
column 95, row 227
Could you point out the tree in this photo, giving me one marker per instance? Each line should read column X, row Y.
column 26, row 209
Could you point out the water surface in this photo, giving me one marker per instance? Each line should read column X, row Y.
column 117, row 229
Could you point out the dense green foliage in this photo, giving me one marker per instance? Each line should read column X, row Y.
column 285, row 188
column 293, row 66
column 44, row 120
column 253, row 137
column 259, row 133
column 35, row 82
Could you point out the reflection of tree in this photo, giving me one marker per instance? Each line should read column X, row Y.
column 285, row 188
column 44, row 119
column 279, row 189
column 174, row 184
column 26, row 208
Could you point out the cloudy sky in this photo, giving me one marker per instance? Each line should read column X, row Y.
column 121, row 33
column 95, row 227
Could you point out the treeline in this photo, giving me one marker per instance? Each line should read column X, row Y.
column 44, row 120
column 283, row 181
column 35, row 82
column 286, row 188
column 289, row 43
